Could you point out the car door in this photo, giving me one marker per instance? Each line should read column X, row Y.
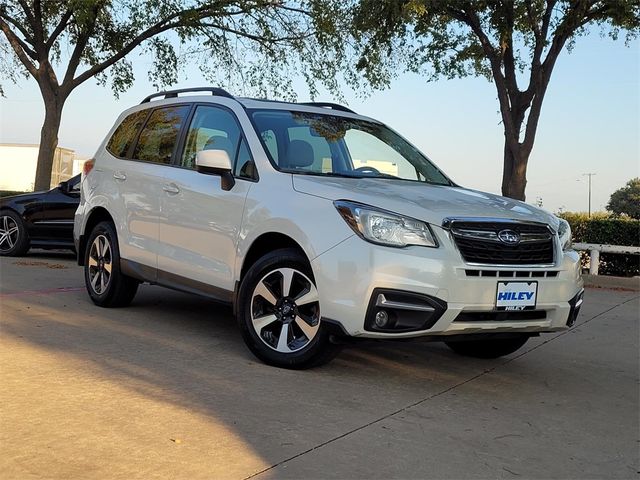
column 200, row 221
column 55, row 218
column 139, row 180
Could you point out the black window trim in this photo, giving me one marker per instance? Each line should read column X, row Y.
column 183, row 136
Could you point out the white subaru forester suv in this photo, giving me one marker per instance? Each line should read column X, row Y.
column 316, row 224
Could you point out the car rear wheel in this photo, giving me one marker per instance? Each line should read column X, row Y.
column 106, row 284
column 489, row 348
column 14, row 240
column 279, row 313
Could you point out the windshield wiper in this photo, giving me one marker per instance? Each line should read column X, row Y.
column 361, row 175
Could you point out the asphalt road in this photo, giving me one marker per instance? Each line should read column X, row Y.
column 166, row 389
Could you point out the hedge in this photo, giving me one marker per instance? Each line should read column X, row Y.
column 607, row 230
column 8, row 193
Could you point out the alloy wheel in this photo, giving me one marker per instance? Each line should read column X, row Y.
column 285, row 310
column 9, row 233
column 100, row 264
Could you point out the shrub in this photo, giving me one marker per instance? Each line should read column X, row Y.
column 608, row 230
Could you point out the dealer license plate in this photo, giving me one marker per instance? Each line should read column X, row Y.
column 516, row 295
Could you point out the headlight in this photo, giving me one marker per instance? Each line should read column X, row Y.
column 385, row 228
column 564, row 233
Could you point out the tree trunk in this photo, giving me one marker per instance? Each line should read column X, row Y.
column 48, row 139
column 514, row 173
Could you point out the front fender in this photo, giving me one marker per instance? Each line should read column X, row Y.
column 312, row 222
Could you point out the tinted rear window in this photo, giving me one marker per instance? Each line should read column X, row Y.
column 160, row 134
column 125, row 134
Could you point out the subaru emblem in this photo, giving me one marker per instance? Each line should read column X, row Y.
column 509, row 237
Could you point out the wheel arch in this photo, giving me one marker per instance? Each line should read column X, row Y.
column 265, row 243
column 97, row 215
column 9, row 208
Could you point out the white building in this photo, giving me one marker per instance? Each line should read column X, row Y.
column 18, row 166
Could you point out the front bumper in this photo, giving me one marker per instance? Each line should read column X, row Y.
column 348, row 274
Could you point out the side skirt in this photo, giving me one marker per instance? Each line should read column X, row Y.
column 144, row 273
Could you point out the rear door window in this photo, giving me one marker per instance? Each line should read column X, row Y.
column 160, row 134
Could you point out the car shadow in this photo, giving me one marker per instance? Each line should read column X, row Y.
column 50, row 254
column 187, row 351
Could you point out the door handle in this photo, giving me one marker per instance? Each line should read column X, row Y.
column 119, row 176
column 171, row 188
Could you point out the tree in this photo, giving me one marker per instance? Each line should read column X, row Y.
column 259, row 44
column 626, row 200
column 506, row 41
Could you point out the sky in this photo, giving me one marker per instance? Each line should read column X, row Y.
column 590, row 122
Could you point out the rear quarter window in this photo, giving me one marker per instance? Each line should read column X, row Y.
column 125, row 134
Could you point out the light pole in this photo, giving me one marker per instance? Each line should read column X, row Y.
column 589, row 175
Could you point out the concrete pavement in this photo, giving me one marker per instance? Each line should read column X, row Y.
column 166, row 389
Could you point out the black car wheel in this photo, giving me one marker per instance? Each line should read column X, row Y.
column 106, row 284
column 14, row 240
column 279, row 313
column 490, row 348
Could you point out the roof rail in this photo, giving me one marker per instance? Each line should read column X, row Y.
column 333, row 106
column 174, row 93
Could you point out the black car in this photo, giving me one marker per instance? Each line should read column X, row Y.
column 39, row 219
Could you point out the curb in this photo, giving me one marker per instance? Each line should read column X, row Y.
column 604, row 281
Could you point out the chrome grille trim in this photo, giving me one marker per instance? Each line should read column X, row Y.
column 493, row 236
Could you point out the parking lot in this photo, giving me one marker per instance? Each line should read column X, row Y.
column 166, row 389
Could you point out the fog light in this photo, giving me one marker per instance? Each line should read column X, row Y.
column 382, row 318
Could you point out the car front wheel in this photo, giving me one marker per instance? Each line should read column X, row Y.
column 106, row 284
column 279, row 313
column 14, row 240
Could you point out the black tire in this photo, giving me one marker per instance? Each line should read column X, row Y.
column 14, row 239
column 489, row 348
column 106, row 289
column 300, row 352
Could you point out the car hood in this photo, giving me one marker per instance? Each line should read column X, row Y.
column 430, row 203
column 24, row 197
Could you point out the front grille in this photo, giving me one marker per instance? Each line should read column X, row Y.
column 479, row 242
column 511, row 273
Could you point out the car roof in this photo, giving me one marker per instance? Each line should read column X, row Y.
column 217, row 95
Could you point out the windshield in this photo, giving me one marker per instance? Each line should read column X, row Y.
column 319, row 144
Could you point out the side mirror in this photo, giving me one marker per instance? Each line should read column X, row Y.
column 216, row 162
column 64, row 187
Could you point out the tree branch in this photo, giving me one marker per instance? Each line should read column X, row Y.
column 164, row 25
column 145, row 35
column 507, row 54
column 540, row 35
column 27, row 48
column 16, row 44
column 511, row 135
column 578, row 15
column 58, row 30
column 27, row 11
column 257, row 38
column 38, row 31
column 78, row 50
column 19, row 26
